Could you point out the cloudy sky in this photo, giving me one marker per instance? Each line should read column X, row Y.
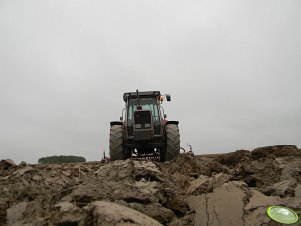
column 232, row 68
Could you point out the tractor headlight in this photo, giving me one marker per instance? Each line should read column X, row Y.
column 147, row 125
column 138, row 126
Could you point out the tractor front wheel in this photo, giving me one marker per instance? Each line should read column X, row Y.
column 172, row 149
column 116, row 143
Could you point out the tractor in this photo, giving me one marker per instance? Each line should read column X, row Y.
column 143, row 130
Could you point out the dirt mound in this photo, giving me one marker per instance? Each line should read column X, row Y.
column 227, row 189
column 233, row 158
column 276, row 151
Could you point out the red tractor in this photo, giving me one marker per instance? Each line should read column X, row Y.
column 143, row 131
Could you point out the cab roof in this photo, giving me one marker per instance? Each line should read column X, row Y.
column 145, row 94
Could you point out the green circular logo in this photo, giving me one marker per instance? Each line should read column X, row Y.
column 282, row 214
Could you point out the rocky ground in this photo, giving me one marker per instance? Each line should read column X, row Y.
column 223, row 189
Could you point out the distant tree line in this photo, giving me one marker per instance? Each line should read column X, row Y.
column 61, row 159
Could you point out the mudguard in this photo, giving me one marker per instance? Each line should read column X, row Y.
column 113, row 123
column 172, row 122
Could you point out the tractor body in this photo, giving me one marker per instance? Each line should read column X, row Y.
column 143, row 131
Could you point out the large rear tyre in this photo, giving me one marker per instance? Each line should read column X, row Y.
column 172, row 149
column 116, row 143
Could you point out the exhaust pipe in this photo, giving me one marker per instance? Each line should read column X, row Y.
column 138, row 101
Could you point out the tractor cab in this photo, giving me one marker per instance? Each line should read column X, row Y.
column 143, row 130
column 143, row 115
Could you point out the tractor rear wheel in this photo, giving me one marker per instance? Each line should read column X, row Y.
column 116, row 143
column 172, row 149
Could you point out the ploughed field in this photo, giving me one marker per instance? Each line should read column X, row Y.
column 221, row 189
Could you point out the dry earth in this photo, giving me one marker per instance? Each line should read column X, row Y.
column 223, row 189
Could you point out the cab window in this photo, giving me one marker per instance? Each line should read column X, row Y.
column 146, row 104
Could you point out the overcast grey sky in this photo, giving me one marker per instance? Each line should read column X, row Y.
column 232, row 68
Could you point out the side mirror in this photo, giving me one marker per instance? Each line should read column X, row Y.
column 168, row 98
column 122, row 114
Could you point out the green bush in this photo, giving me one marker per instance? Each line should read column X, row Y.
column 61, row 159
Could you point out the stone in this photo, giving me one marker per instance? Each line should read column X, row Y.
column 68, row 217
column 257, row 199
column 24, row 170
column 290, row 168
column 6, row 178
column 66, row 173
column 177, row 204
column 295, row 201
column 220, row 179
column 203, row 184
column 224, row 206
column 257, row 217
column 109, row 213
column 284, row 188
column 15, row 213
column 146, row 187
column 37, row 177
column 10, row 162
column 64, row 206
column 6, row 164
column 22, row 164
column 155, row 211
